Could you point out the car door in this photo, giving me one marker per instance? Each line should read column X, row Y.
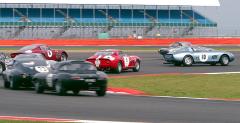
column 48, row 53
column 200, row 55
column 125, row 58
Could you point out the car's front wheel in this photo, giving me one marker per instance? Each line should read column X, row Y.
column 38, row 87
column 224, row 60
column 2, row 67
column 60, row 89
column 187, row 61
column 137, row 66
column 13, row 83
column 101, row 92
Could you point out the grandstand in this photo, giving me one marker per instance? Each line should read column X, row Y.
column 21, row 20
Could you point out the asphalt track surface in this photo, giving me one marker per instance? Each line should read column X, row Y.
column 86, row 106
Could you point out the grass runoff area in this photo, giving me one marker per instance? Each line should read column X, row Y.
column 96, row 48
column 198, row 86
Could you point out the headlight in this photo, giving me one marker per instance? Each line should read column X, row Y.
column 102, row 75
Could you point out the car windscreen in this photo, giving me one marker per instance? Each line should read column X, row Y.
column 29, row 47
column 104, row 53
column 78, row 67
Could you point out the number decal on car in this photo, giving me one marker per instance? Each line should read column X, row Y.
column 49, row 52
column 126, row 61
column 203, row 57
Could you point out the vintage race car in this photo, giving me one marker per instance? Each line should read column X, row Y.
column 174, row 46
column 21, row 69
column 47, row 52
column 189, row 55
column 115, row 60
column 72, row 75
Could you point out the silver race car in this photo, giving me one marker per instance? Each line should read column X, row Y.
column 174, row 46
column 188, row 55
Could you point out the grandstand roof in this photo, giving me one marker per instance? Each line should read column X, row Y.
column 123, row 2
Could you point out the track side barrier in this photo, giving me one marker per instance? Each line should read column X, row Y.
column 121, row 42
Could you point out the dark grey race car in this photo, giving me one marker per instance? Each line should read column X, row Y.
column 72, row 75
column 21, row 69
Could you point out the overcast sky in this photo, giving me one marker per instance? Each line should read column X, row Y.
column 227, row 16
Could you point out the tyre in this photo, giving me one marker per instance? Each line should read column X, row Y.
column 39, row 87
column 60, row 89
column 119, row 68
column 2, row 67
column 101, row 92
column 63, row 57
column 5, row 82
column 137, row 66
column 187, row 61
column 13, row 84
column 75, row 91
column 224, row 60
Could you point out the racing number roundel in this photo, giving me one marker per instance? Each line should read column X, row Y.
column 203, row 57
column 49, row 52
column 126, row 61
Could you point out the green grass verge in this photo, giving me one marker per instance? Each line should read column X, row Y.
column 201, row 86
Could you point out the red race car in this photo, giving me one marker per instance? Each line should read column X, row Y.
column 116, row 60
column 48, row 53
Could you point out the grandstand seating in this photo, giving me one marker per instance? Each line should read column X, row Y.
column 101, row 17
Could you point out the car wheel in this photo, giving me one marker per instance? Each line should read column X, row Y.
column 101, row 92
column 13, row 84
column 187, row 61
column 75, row 91
column 38, row 87
column 60, row 89
column 224, row 60
column 119, row 68
column 5, row 82
column 2, row 67
column 137, row 66
column 63, row 57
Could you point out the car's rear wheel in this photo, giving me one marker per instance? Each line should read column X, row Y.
column 137, row 66
column 224, row 60
column 60, row 89
column 38, row 87
column 187, row 61
column 13, row 83
column 75, row 91
column 119, row 68
column 63, row 57
column 101, row 92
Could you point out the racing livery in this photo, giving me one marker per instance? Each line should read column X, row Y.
column 115, row 60
column 21, row 69
column 189, row 55
column 47, row 52
column 72, row 75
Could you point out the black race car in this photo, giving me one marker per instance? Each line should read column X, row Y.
column 20, row 70
column 72, row 75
